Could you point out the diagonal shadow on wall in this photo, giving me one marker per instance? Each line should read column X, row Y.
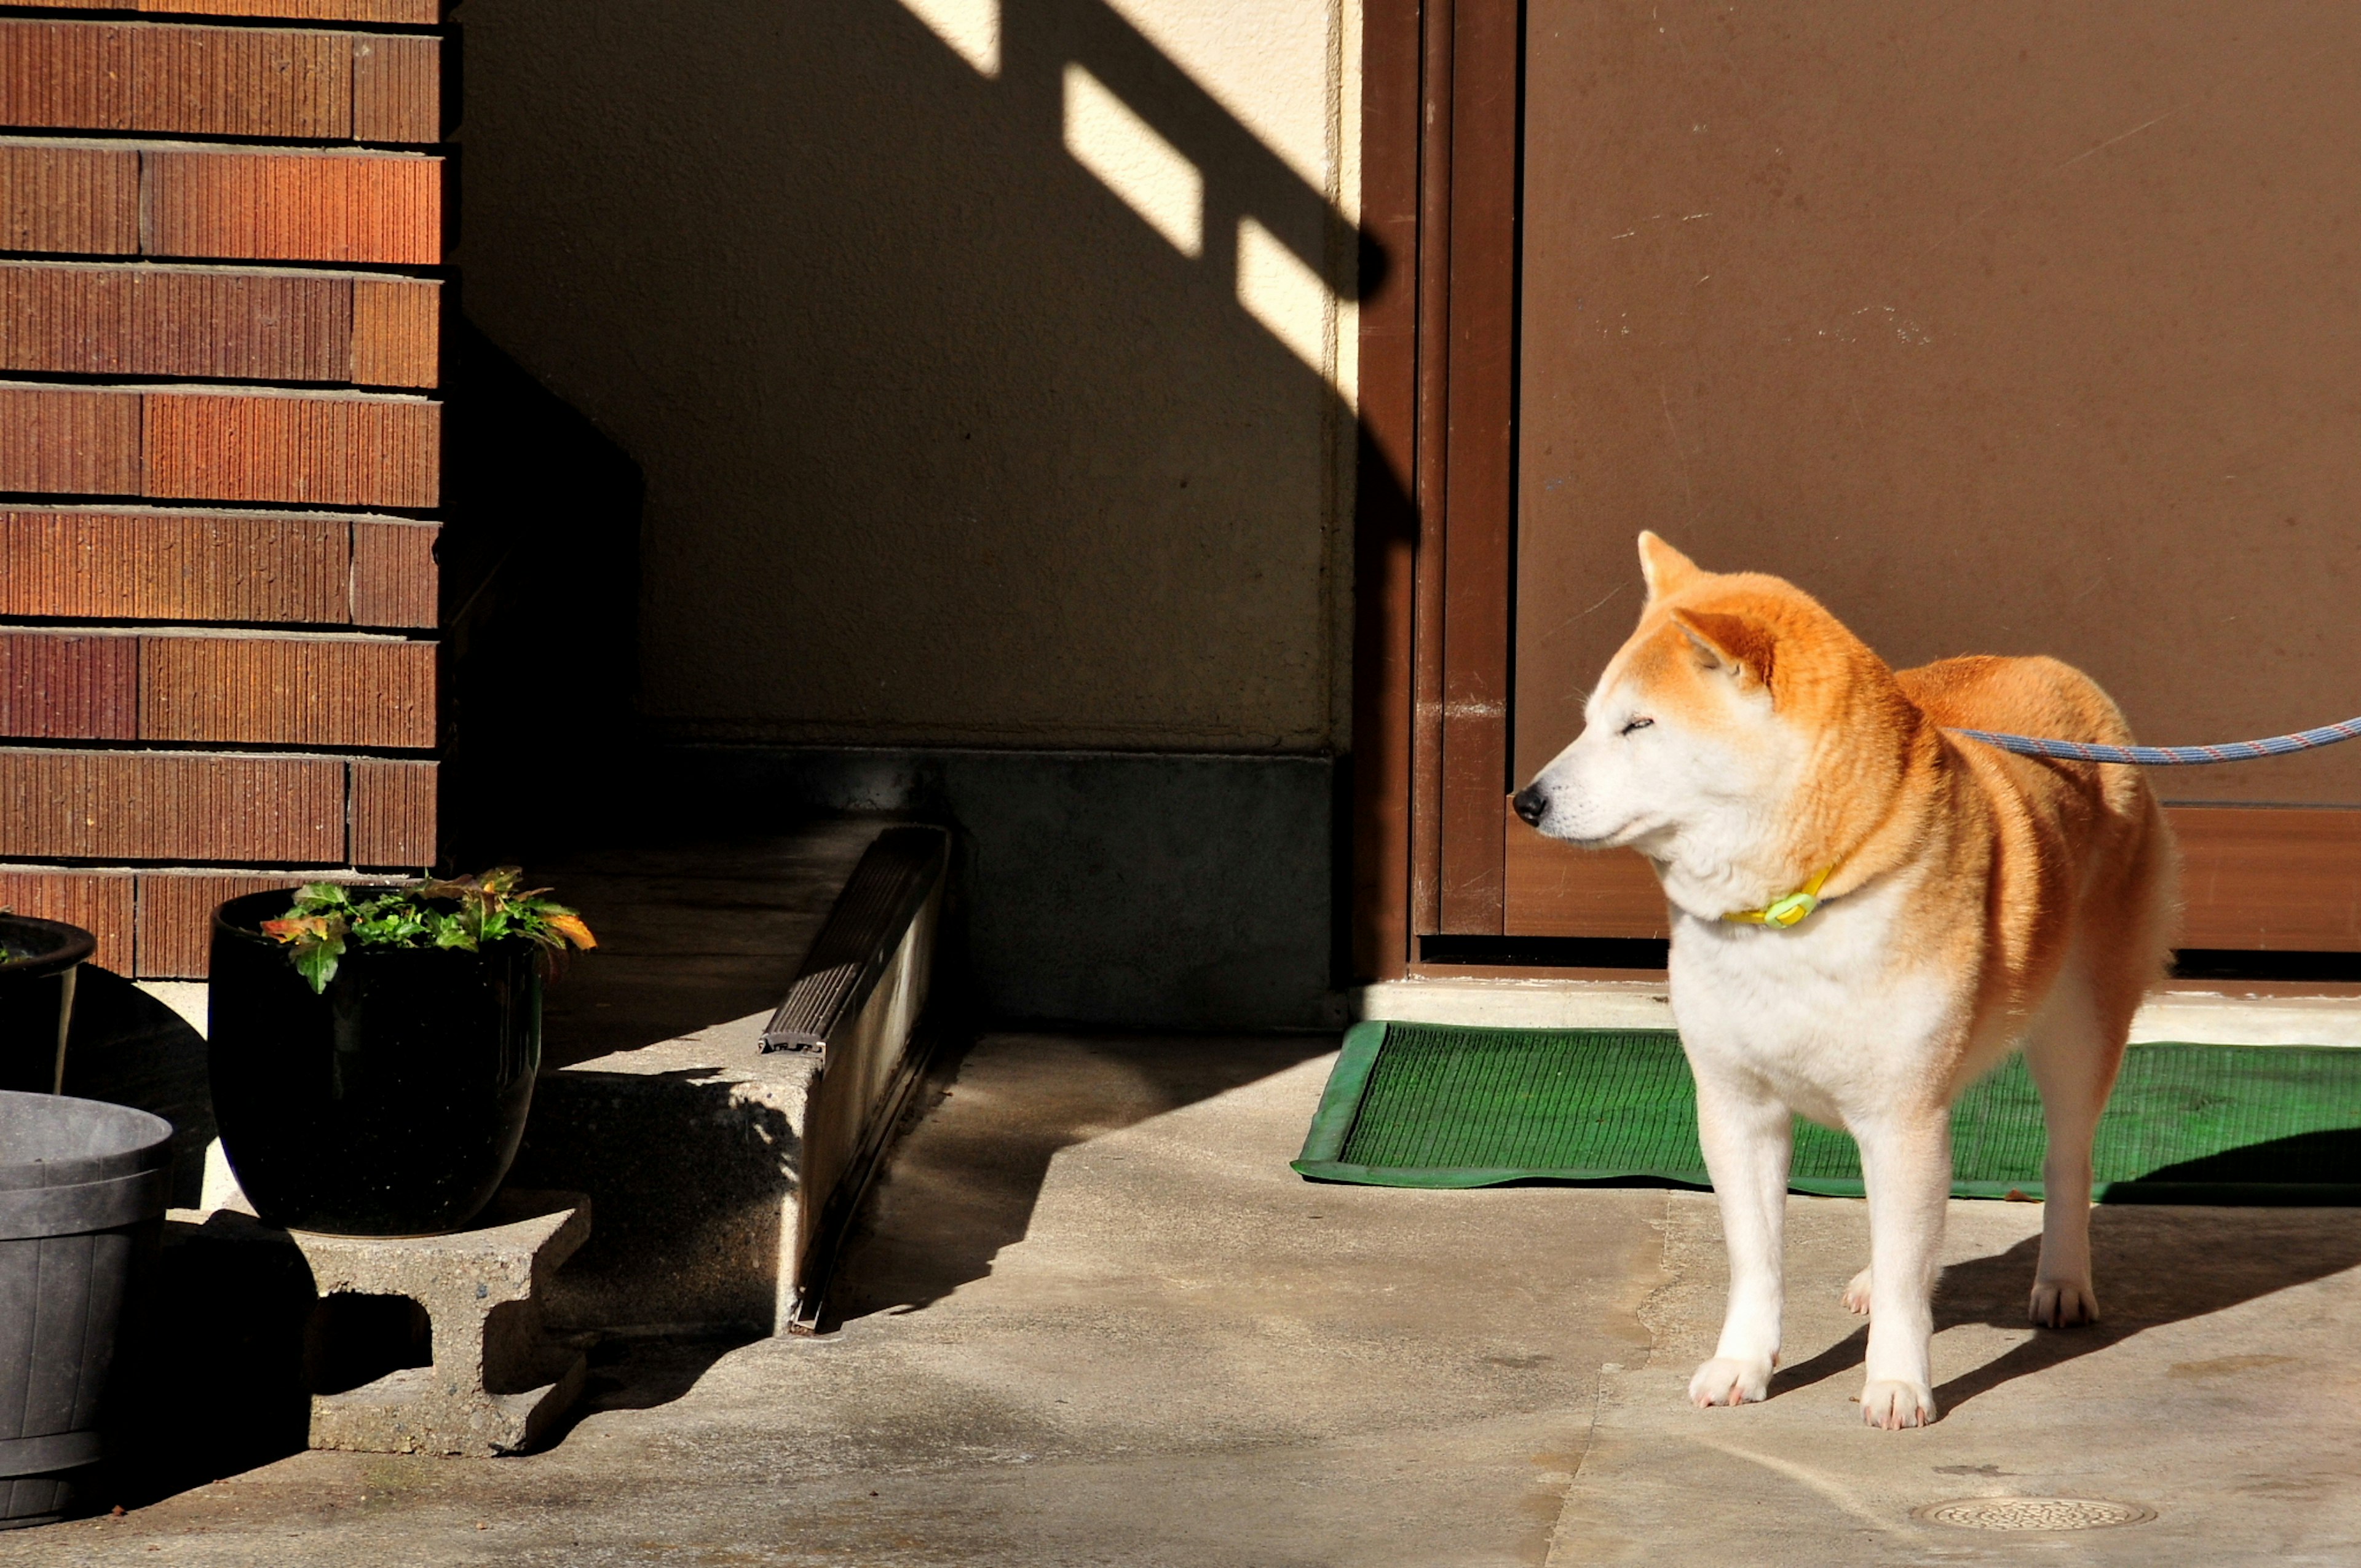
column 944, row 441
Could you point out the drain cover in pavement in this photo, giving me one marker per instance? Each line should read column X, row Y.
column 2033, row 1513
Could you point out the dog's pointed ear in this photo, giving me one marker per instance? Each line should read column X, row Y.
column 1666, row 569
column 1748, row 649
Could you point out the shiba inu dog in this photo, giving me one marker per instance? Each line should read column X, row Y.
column 1867, row 915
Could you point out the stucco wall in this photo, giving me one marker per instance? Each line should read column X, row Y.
column 949, row 436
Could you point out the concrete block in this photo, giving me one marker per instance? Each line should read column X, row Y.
column 692, row 1149
column 495, row 1384
column 494, row 1381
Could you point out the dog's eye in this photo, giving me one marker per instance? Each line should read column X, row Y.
column 1637, row 724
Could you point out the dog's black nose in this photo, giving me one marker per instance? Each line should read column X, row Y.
column 1530, row 803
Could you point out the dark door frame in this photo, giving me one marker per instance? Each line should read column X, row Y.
column 1441, row 124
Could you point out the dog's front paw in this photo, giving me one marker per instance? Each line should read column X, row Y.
column 1856, row 1294
column 1893, row 1405
column 2063, row 1303
column 1727, row 1381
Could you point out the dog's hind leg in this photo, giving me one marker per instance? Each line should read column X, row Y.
column 1746, row 1134
column 2075, row 1046
column 2073, row 1050
column 1907, row 1162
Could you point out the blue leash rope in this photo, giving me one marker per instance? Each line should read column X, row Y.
column 2171, row 756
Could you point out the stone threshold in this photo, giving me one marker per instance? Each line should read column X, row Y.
column 2225, row 1012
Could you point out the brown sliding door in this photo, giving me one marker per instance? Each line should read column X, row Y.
column 2012, row 328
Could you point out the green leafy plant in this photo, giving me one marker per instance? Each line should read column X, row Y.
column 467, row 913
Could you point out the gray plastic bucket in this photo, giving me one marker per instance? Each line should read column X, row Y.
column 83, row 1189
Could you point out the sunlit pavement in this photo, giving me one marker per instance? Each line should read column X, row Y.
column 1094, row 1318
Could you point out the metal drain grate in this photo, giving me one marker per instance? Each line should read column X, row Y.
column 2032, row 1513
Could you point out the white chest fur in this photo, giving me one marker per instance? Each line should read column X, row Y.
column 1825, row 1016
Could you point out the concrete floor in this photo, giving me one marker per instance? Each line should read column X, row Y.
column 2220, row 1390
column 1094, row 1318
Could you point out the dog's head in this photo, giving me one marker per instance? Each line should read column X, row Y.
column 1717, row 723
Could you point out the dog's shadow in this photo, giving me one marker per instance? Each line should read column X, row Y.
column 2153, row 1266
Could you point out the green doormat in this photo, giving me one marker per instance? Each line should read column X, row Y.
column 1433, row 1106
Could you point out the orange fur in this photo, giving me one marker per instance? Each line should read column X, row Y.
column 1979, row 902
column 2030, row 856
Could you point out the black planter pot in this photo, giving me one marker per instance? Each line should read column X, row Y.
column 390, row 1105
column 37, row 999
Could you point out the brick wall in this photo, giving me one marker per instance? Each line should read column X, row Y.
column 221, row 467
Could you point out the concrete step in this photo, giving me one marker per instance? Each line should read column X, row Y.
column 487, row 1381
column 2226, row 1013
column 723, row 1173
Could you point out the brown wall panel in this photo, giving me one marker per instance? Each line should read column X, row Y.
column 80, row 199
column 2253, row 878
column 175, row 916
column 399, row 12
column 241, row 82
column 397, row 88
column 176, row 566
column 2284, row 879
column 58, row 685
column 393, row 814
column 402, row 13
column 289, row 691
column 397, row 332
column 71, row 74
column 332, row 450
column 98, row 902
column 264, row 690
column 294, row 206
column 220, row 81
column 159, row 806
column 395, row 579
column 1838, row 306
column 329, row 451
column 69, row 439
column 62, row 317
column 1555, row 890
column 239, row 326
column 148, row 320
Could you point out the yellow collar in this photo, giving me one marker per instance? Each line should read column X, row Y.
column 1790, row 910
